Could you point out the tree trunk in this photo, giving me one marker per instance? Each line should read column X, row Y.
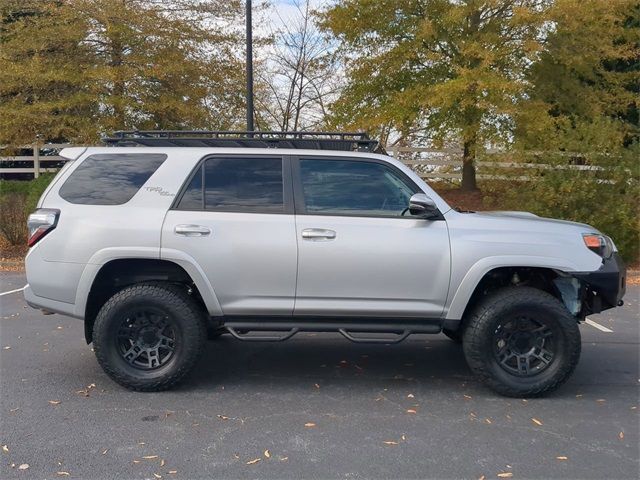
column 468, row 166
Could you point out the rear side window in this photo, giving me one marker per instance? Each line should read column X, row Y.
column 252, row 185
column 110, row 179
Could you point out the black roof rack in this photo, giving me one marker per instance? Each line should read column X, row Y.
column 207, row 138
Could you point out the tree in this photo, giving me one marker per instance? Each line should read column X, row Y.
column 105, row 65
column 456, row 68
column 588, row 73
column 41, row 89
column 300, row 76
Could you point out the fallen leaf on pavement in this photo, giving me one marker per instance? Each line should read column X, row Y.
column 24, row 466
column 5, row 449
column 411, row 410
column 63, row 474
column 505, row 475
column 284, row 459
column 403, row 438
column 150, row 457
column 254, row 461
column 223, row 417
column 536, row 421
column 105, row 451
column 410, row 395
column 267, row 454
column 173, row 472
column 390, row 442
column 316, row 385
column 621, row 435
column 8, row 347
column 309, row 424
column 162, row 462
column 482, row 477
column 468, row 397
column 157, row 476
column 488, row 420
column 562, row 458
column 54, row 402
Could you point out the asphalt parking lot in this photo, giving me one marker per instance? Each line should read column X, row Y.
column 316, row 406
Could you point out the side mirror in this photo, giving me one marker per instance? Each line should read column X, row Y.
column 420, row 205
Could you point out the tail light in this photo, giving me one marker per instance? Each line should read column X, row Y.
column 41, row 222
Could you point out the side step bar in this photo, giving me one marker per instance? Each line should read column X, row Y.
column 281, row 330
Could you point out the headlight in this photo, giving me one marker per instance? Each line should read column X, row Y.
column 600, row 244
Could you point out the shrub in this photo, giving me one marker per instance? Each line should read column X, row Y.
column 13, row 215
column 606, row 198
column 17, row 200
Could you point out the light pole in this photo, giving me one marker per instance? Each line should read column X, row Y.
column 249, row 68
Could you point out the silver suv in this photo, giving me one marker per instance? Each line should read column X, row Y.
column 162, row 239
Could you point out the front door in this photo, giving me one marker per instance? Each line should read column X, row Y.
column 235, row 219
column 360, row 251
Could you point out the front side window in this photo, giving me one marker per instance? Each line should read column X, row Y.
column 236, row 185
column 353, row 187
column 111, row 178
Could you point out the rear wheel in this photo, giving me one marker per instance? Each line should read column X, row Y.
column 522, row 342
column 147, row 337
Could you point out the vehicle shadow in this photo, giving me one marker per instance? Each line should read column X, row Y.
column 312, row 358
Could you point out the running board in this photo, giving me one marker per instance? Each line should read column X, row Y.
column 281, row 330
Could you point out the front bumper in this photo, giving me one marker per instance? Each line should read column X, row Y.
column 605, row 287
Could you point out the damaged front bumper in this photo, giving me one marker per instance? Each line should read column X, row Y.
column 585, row 293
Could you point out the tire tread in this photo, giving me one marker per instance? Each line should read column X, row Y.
column 169, row 295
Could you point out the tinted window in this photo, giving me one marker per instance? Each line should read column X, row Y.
column 237, row 185
column 110, row 179
column 192, row 197
column 351, row 187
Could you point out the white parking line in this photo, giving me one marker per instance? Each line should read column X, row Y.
column 598, row 326
column 13, row 291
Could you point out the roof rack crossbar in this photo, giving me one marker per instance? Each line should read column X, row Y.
column 345, row 141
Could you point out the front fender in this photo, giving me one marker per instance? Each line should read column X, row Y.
column 458, row 300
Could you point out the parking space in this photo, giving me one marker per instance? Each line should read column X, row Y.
column 314, row 407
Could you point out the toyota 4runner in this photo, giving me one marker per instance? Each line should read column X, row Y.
column 162, row 239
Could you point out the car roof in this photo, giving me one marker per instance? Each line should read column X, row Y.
column 75, row 152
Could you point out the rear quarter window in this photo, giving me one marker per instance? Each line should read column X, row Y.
column 111, row 178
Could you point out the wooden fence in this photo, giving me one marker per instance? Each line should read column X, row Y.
column 429, row 163
column 43, row 158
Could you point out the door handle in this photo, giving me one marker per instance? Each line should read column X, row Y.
column 192, row 230
column 318, row 234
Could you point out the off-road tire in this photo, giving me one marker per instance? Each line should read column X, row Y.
column 479, row 338
column 187, row 316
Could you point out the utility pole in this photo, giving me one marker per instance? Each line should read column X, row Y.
column 249, row 68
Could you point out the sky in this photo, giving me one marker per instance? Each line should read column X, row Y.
column 282, row 10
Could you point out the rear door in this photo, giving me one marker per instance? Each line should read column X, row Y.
column 235, row 219
column 360, row 252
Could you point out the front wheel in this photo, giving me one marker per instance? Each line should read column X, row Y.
column 147, row 337
column 522, row 342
